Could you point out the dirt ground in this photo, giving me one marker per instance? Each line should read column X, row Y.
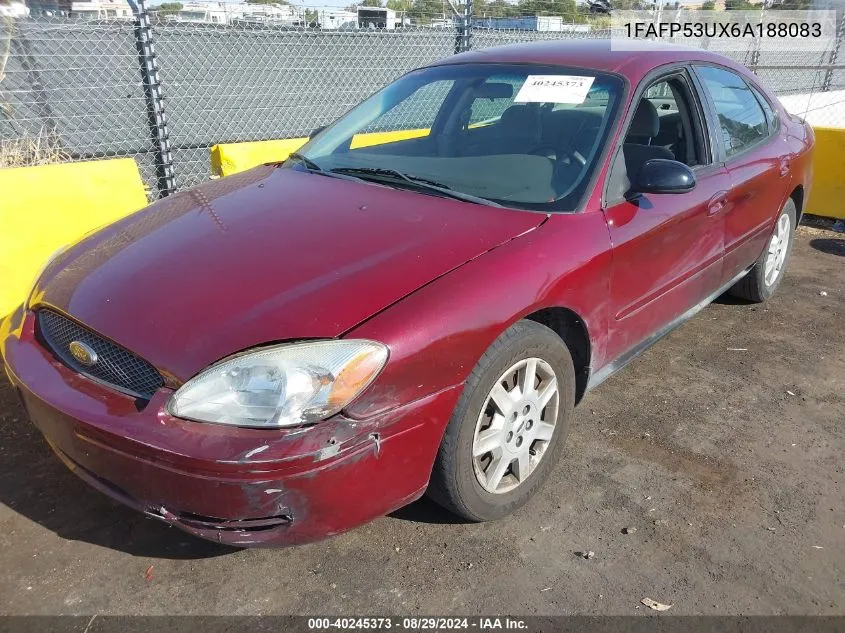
column 722, row 445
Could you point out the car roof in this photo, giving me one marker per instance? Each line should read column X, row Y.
column 638, row 59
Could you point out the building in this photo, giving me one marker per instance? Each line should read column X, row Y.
column 82, row 9
column 100, row 10
column 227, row 13
column 333, row 18
column 203, row 12
column 268, row 13
column 530, row 23
column 377, row 18
column 441, row 23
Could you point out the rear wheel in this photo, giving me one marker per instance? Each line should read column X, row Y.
column 508, row 427
column 762, row 280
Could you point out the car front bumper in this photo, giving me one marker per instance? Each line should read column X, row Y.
column 243, row 487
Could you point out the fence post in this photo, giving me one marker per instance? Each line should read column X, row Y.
column 151, row 83
column 828, row 75
column 756, row 43
column 467, row 25
column 463, row 37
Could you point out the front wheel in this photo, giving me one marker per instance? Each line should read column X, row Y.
column 762, row 280
column 507, row 429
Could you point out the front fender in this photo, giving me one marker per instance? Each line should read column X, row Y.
column 437, row 334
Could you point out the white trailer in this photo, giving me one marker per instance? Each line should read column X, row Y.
column 376, row 18
column 332, row 18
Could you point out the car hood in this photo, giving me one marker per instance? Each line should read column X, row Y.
column 268, row 255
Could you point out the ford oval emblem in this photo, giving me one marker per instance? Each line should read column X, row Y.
column 82, row 353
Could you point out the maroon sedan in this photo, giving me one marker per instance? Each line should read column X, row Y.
column 416, row 300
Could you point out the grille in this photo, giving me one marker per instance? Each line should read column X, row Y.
column 115, row 366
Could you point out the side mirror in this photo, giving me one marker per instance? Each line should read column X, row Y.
column 316, row 131
column 660, row 175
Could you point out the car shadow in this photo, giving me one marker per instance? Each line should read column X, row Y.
column 424, row 510
column 726, row 299
column 831, row 246
column 35, row 484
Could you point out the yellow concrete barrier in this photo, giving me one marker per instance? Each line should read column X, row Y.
column 381, row 138
column 827, row 195
column 231, row 158
column 45, row 208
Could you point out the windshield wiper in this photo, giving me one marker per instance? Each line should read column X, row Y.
column 310, row 164
column 387, row 171
column 314, row 168
column 416, row 181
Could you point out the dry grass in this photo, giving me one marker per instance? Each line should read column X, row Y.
column 42, row 149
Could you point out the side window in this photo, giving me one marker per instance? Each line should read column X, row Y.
column 678, row 123
column 416, row 111
column 741, row 118
column 667, row 124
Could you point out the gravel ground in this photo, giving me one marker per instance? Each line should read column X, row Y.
column 722, row 446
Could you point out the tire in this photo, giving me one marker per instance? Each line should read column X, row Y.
column 457, row 476
column 755, row 287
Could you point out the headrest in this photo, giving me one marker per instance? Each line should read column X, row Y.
column 520, row 117
column 645, row 122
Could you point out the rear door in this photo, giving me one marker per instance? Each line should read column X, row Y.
column 757, row 161
column 667, row 248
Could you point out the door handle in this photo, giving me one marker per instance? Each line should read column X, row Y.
column 717, row 203
column 784, row 167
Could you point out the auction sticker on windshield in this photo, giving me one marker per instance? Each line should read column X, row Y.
column 554, row 89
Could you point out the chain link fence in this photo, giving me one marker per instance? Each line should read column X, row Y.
column 246, row 83
column 72, row 91
column 164, row 92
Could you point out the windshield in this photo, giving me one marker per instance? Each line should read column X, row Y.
column 523, row 136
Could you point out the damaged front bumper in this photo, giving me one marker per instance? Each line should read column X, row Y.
column 243, row 487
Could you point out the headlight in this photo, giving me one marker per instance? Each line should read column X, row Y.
column 281, row 385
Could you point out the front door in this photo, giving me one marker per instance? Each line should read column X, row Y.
column 667, row 248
